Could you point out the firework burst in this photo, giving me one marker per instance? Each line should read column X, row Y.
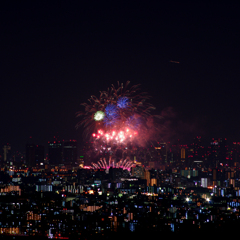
column 118, row 117
column 114, row 107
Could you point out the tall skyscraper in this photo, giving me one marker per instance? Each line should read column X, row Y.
column 6, row 152
column 34, row 155
column 219, row 152
column 157, row 154
column 55, row 152
column 70, row 152
column 183, row 154
column 196, row 153
column 39, row 154
column 236, row 153
column 30, row 155
column 86, row 153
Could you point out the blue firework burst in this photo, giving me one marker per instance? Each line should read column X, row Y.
column 111, row 115
column 111, row 110
column 123, row 102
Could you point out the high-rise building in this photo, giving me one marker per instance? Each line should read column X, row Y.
column 39, row 154
column 147, row 176
column 30, row 155
column 138, row 171
column 196, row 153
column 183, row 154
column 55, row 152
column 157, row 154
column 163, row 152
column 219, row 152
column 174, row 156
column 198, row 149
column 236, row 153
column 215, row 176
column 34, row 155
column 70, row 152
column 6, row 152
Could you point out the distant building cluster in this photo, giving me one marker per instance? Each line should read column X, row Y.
column 156, row 155
column 58, row 153
column 168, row 189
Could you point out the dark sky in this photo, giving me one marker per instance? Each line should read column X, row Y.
column 56, row 54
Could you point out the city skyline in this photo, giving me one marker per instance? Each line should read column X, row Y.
column 55, row 55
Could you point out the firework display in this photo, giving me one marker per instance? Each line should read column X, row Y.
column 124, row 164
column 118, row 117
column 114, row 108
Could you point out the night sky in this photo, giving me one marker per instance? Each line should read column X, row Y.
column 56, row 54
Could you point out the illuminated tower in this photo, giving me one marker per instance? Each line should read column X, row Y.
column 183, row 154
column 215, row 176
column 147, row 176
